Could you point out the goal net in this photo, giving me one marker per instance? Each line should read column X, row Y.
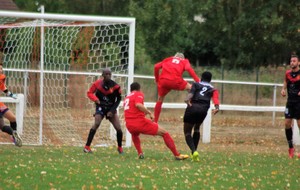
column 53, row 60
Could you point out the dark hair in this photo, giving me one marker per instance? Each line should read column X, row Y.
column 294, row 56
column 106, row 70
column 135, row 86
column 206, row 76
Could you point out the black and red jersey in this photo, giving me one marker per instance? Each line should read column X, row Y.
column 108, row 92
column 203, row 92
column 293, row 85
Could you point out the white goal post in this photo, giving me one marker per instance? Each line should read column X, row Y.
column 53, row 59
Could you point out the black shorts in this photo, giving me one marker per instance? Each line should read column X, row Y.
column 103, row 110
column 195, row 114
column 292, row 110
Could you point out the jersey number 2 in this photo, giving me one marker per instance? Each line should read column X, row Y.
column 203, row 90
column 126, row 104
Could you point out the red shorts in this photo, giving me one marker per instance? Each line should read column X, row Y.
column 141, row 126
column 165, row 86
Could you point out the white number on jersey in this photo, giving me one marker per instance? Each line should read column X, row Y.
column 126, row 104
column 204, row 89
column 176, row 61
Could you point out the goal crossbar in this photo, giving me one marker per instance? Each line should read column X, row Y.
column 32, row 15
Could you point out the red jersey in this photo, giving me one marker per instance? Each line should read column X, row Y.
column 2, row 82
column 2, row 88
column 130, row 109
column 173, row 68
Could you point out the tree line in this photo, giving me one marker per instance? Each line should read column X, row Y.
column 230, row 33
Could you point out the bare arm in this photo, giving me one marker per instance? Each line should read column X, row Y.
column 188, row 99
column 283, row 90
column 142, row 108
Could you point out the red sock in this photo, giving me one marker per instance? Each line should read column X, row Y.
column 170, row 144
column 157, row 111
column 137, row 143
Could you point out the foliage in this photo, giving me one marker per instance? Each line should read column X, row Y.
column 164, row 25
column 69, row 168
column 232, row 33
column 249, row 33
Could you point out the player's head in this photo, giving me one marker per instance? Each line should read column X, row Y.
column 106, row 74
column 206, row 76
column 135, row 86
column 294, row 62
column 180, row 55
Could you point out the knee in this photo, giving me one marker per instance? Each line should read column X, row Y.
column 187, row 134
column 161, row 132
column 119, row 131
column 160, row 98
column 96, row 126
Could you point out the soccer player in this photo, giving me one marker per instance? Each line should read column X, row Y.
column 136, row 122
column 198, row 103
column 291, row 84
column 170, row 78
column 106, row 94
column 6, row 113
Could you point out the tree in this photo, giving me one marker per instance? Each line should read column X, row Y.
column 163, row 25
column 249, row 33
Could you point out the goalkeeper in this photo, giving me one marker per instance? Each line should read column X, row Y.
column 170, row 78
column 6, row 113
column 198, row 103
column 106, row 94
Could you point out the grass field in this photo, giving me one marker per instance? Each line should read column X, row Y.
column 246, row 152
column 69, row 168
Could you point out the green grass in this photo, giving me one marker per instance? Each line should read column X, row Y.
column 69, row 168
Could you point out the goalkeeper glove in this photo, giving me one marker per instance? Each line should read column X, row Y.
column 10, row 94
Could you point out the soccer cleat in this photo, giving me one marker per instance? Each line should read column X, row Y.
column 141, row 156
column 291, row 152
column 120, row 150
column 181, row 157
column 195, row 157
column 87, row 149
column 17, row 139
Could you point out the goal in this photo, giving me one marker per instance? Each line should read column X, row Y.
column 52, row 59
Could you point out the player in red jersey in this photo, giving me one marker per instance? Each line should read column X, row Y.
column 6, row 113
column 136, row 122
column 198, row 103
column 106, row 94
column 170, row 78
column 292, row 111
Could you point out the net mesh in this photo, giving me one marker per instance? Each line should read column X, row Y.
column 74, row 55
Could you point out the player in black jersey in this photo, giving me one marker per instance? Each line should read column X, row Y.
column 198, row 103
column 106, row 94
column 291, row 84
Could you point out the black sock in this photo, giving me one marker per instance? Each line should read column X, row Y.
column 7, row 129
column 289, row 137
column 189, row 141
column 90, row 137
column 196, row 138
column 13, row 125
column 119, row 138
